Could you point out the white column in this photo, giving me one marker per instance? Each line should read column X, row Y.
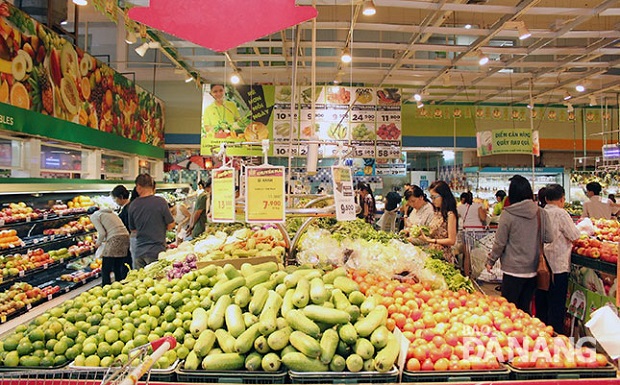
column 157, row 170
column 91, row 164
column 31, row 167
column 133, row 167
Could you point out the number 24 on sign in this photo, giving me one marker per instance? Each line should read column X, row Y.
column 274, row 203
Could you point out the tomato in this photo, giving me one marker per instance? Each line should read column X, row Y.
column 427, row 365
column 413, row 365
column 441, row 364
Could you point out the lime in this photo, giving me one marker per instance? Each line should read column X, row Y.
column 126, row 299
column 25, row 348
column 114, row 294
column 81, row 316
column 68, row 341
column 71, row 331
column 141, row 340
column 38, row 345
column 102, row 330
column 111, row 336
column 57, row 312
column 79, row 360
column 89, row 349
column 160, row 289
column 46, row 362
column 202, row 280
column 93, row 330
column 161, row 304
column 148, row 282
column 70, row 315
column 142, row 301
column 117, row 348
column 10, row 344
column 189, row 341
column 154, row 311
column 49, row 345
column 80, row 338
column 29, row 361
column 169, row 327
column 129, row 327
column 92, row 361
column 55, row 327
column 94, row 319
column 72, row 352
column 40, row 320
column 36, row 335
column 125, row 335
column 39, row 353
column 164, row 362
column 12, row 359
column 182, row 352
column 128, row 346
column 153, row 299
column 159, row 331
column 153, row 337
column 123, row 358
column 179, row 335
column 60, row 360
column 60, row 348
column 103, row 350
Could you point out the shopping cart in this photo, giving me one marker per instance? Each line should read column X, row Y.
column 478, row 242
column 129, row 373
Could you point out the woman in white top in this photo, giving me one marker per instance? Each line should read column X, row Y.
column 471, row 213
column 423, row 210
column 181, row 216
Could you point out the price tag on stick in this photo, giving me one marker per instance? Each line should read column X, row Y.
column 264, row 196
column 223, row 195
column 344, row 196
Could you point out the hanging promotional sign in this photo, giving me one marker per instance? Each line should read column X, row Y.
column 344, row 196
column 507, row 141
column 264, row 197
column 223, row 195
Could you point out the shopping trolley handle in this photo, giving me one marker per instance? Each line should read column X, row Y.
column 170, row 339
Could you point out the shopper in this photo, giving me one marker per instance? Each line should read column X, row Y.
column 541, row 197
column 149, row 218
column 471, row 214
column 367, row 200
column 113, row 242
column 551, row 304
column 443, row 226
column 516, row 243
column 405, row 209
column 182, row 218
column 422, row 210
column 500, row 197
column 595, row 207
column 387, row 222
column 202, row 209
column 121, row 195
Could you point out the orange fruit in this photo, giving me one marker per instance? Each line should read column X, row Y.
column 85, row 86
column 4, row 92
column 19, row 96
column 108, row 98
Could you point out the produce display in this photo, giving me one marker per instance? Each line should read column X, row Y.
column 19, row 212
column 82, row 274
column 10, row 240
column 603, row 244
column 256, row 318
column 231, row 241
column 80, row 201
column 83, row 224
column 21, row 295
column 574, row 208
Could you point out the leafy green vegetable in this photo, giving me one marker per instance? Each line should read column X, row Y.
column 454, row 279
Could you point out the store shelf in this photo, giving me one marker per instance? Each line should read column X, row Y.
column 50, row 217
column 595, row 264
column 608, row 371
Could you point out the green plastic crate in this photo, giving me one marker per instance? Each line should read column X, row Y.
column 230, row 376
column 344, row 377
column 608, row 371
column 501, row 374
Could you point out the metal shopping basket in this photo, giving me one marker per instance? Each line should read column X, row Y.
column 478, row 242
column 117, row 374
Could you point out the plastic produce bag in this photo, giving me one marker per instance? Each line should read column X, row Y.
column 586, row 226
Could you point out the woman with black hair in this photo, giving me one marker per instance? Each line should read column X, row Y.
column 443, row 226
column 422, row 210
column 517, row 243
column 471, row 214
column 367, row 201
column 121, row 197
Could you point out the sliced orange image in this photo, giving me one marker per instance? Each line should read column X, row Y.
column 4, row 92
column 19, row 96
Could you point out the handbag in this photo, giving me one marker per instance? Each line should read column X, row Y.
column 544, row 277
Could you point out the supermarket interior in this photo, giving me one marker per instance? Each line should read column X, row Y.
column 309, row 191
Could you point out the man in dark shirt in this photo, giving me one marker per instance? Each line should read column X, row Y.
column 149, row 218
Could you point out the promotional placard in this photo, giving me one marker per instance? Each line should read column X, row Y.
column 264, row 197
column 223, row 195
column 344, row 197
column 507, row 141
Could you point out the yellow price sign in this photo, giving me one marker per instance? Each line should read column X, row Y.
column 223, row 195
column 264, row 194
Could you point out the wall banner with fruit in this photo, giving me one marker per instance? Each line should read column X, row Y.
column 508, row 141
column 44, row 73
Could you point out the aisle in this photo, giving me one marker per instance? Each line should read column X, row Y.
column 36, row 311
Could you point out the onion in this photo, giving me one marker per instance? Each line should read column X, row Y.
column 177, row 264
column 192, row 265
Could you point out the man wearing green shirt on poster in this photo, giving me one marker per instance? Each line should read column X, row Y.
column 201, row 210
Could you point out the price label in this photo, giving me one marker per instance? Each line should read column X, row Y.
column 385, row 117
column 392, row 152
column 2, row 318
column 83, row 281
column 363, row 117
column 344, row 195
column 1, row 222
column 223, row 195
column 337, row 116
column 264, row 198
column 319, row 116
column 44, row 266
column 285, row 115
column 28, row 219
column 67, row 289
column 49, row 297
column 45, row 216
column 28, row 306
column 62, row 260
column 22, row 273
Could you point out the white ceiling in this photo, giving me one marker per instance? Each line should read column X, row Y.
column 423, row 47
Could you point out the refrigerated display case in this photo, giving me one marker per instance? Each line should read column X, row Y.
column 485, row 181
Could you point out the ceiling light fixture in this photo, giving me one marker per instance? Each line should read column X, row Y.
column 235, row 78
column 467, row 26
column 189, row 78
column 346, row 55
column 580, row 87
column 593, row 100
column 64, row 22
column 482, row 58
column 130, row 37
column 524, row 33
column 141, row 50
column 80, row 2
column 419, row 104
column 567, row 96
column 368, row 9
column 417, row 97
